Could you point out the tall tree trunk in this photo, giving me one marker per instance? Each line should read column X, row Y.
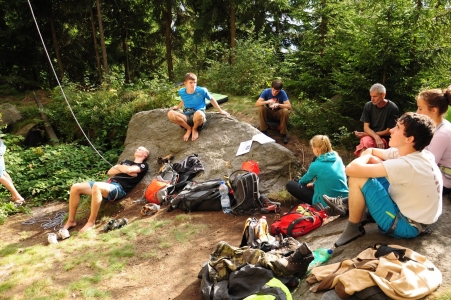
column 102, row 38
column 94, row 37
column 56, row 47
column 48, row 126
column 125, row 49
column 168, row 33
column 232, row 32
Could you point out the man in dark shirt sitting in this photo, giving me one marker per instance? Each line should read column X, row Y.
column 378, row 116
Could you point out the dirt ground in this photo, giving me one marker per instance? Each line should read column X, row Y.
column 173, row 275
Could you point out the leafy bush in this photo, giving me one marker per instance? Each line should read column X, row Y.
column 314, row 117
column 253, row 69
column 104, row 114
column 46, row 173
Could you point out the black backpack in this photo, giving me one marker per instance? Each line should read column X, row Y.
column 202, row 196
column 245, row 186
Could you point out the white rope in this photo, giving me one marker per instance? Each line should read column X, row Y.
column 61, row 88
column 47, row 222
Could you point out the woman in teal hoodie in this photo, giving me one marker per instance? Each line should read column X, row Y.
column 325, row 176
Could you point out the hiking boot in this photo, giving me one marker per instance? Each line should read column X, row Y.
column 337, row 204
column 269, row 206
column 110, row 225
column 318, row 206
column 121, row 223
column 287, row 246
column 285, row 138
column 296, row 264
column 330, row 212
column 150, row 209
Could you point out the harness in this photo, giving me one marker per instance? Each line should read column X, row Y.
column 111, row 180
column 446, row 171
column 419, row 226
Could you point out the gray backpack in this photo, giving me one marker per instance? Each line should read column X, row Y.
column 245, row 186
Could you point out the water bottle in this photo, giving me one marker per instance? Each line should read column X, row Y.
column 225, row 200
column 321, row 255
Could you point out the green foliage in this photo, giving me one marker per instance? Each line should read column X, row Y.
column 345, row 46
column 104, row 114
column 314, row 117
column 46, row 173
column 251, row 71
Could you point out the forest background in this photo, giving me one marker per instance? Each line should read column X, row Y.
column 116, row 58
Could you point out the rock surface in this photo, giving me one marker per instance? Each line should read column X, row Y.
column 216, row 146
column 9, row 114
column 435, row 246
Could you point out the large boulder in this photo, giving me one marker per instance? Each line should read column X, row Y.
column 435, row 246
column 9, row 114
column 216, row 146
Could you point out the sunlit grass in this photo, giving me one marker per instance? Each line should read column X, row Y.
column 85, row 261
column 24, row 235
column 444, row 294
column 8, row 250
column 183, row 232
column 38, row 288
column 153, row 253
column 94, row 293
column 6, row 286
column 184, row 217
column 85, row 282
column 240, row 104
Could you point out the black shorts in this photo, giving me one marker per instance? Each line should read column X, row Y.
column 189, row 113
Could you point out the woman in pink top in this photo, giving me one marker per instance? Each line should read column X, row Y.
column 434, row 103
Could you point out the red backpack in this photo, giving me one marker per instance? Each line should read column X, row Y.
column 299, row 220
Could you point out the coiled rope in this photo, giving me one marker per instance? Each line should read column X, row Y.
column 47, row 222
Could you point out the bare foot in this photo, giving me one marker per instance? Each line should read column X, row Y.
column 87, row 227
column 195, row 135
column 187, row 134
column 20, row 199
column 69, row 225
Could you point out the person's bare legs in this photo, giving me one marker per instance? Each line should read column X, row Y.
column 6, row 180
column 356, row 203
column 356, row 200
column 180, row 119
column 198, row 119
column 76, row 190
column 99, row 190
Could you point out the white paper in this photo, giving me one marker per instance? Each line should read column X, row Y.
column 262, row 138
column 244, row 148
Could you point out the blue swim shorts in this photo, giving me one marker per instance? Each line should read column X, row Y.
column 384, row 210
column 116, row 191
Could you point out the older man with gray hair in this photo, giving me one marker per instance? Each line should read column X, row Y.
column 378, row 116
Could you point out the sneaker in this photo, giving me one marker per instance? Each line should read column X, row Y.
column 330, row 212
column 63, row 233
column 337, row 204
column 285, row 138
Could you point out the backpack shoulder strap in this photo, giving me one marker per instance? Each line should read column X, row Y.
column 235, row 174
column 296, row 221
